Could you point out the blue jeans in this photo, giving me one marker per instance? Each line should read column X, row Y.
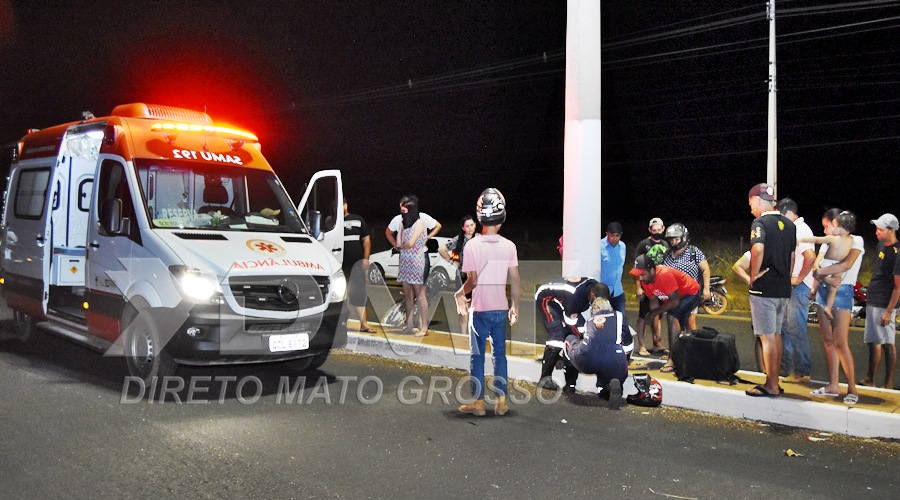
column 794, row 334
column 488, row 325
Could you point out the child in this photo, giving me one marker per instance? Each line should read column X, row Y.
column 837, row 246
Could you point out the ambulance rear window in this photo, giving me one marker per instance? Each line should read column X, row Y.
column 31, row 193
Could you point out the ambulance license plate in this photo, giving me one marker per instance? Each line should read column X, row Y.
column 290, row 342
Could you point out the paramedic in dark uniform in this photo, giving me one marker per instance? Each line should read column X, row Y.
column 560, row 304
column 603, row 349
column 357, row 246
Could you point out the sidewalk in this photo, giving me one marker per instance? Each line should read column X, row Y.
column 877, row 415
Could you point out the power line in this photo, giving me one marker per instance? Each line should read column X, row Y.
column 681, row 22
column 819, row 107
column 751, row 151
column 743, row 131
column 608, row 63
column 735, row 21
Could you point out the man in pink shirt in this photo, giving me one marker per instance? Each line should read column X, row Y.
column 489, row 260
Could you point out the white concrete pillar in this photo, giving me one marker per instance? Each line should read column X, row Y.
column 582, row 230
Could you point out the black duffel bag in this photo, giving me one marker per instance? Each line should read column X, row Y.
column 706, row 354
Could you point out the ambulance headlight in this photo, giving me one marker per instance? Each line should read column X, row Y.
column 195, row 284
column 338, row 286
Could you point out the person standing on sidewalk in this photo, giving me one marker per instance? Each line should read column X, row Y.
column 795, row 364
column 490, row 259
column 612, row 264
column 881, row 302
column 773, row 239
column 357, row 247
column 657, row 230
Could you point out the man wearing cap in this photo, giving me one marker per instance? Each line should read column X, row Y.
column 672, row 292
column 773, row 239
column 612, row 263
column 881, row 302
column 657, row 231
column 795, row 363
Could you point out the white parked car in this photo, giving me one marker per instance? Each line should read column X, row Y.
column 386, row 264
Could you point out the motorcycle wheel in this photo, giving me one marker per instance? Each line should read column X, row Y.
column 716, row 304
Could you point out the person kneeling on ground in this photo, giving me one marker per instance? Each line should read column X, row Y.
column 560, row 304
column 603, row 349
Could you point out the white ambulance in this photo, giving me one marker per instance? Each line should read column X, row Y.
column 155, row 234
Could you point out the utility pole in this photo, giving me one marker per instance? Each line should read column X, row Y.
column 581, row 196
column 772, row 152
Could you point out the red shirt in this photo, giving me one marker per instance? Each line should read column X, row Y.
column 668, row 280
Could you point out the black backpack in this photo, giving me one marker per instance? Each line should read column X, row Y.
column 706, row 354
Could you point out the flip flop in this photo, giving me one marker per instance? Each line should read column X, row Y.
column 644, row 352
column 667, row 369
column 367, row 330
column 822, row 392
column 761, row 392
column 851, row 399
column 661, row 351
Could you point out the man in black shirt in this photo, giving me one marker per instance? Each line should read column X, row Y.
column 773, row 238
column 881, row 301
column 357, row 247
column 657, row 233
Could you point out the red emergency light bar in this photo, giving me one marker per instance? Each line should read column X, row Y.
column 226, row 132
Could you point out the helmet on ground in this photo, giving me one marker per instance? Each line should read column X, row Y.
column 649, row 391
column 678, row 230
column 491, row 207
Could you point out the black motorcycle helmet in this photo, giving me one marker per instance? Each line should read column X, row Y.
column 677, row 230
column 491, row 207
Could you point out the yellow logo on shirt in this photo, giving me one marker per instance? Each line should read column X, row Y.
column 881, row 255
column 780, row 226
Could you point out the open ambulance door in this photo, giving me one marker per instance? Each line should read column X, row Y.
column 322, row 208
column 27, row 239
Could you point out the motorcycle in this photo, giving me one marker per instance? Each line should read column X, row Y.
column 858, row 311
column 718, row 300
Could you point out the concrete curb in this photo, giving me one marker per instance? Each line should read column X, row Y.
column 847, row 420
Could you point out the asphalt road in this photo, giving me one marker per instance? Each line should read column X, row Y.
column 67, row 431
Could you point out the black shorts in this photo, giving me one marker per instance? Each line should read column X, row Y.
column 356, row 286
column 643, row 307
column 463, row 277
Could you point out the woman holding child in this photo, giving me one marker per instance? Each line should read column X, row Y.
column 840, row 254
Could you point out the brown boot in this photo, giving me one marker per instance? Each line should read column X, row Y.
column 500, row 408
column 474, row 408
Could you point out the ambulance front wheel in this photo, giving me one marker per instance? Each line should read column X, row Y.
column 144, row 353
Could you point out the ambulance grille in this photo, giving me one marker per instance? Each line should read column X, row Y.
column 294, row 293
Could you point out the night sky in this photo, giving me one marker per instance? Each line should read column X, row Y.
column 443, row 99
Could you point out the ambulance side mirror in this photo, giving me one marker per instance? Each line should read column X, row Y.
column 111, row 219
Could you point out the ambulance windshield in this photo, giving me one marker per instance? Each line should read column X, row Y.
column 190, row 196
